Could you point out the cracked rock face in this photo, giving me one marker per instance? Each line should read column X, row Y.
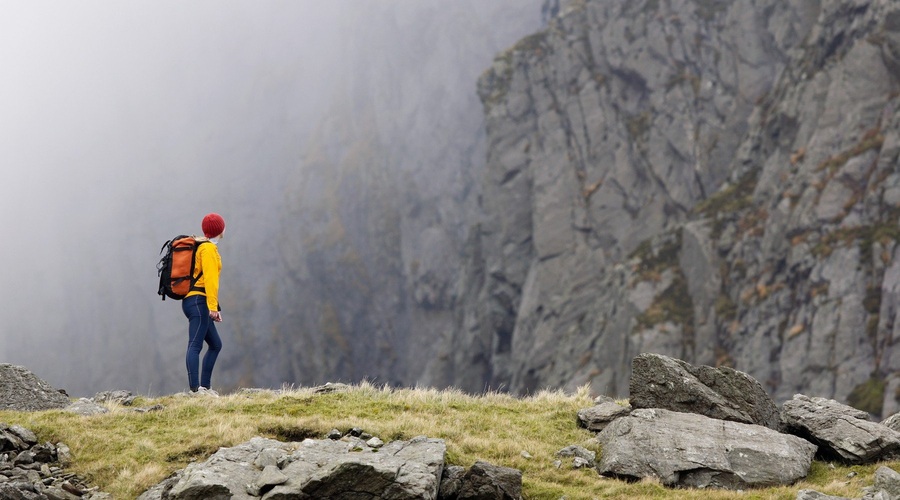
column 685, row 449
column 714, row 182
column 841, row 432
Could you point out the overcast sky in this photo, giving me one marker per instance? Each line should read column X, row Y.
column 130, row 120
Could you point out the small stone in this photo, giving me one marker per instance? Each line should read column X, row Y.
column 86, row 407
column 268, row 457
column 72, row 488
column 24, row 434
column 271, row 476
column 526, row 455
column 334, row 434
column 145, row 409
column 24, row 458
column 63, row 454
column 557, row 463
column 580, row 463
column 374, row 443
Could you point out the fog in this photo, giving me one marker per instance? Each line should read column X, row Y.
column 123, row 123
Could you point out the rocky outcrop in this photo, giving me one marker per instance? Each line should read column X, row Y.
column 33, row 471
column 21, row 390
column 841, row 432
column 724, row 393
column 688, row 449
column 346, row 467
column 702, row 434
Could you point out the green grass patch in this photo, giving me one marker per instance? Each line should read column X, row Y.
column 734, row 198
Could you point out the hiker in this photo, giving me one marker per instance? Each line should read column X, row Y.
column 201, row 307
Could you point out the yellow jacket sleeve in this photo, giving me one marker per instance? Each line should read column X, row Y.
column 210, row 262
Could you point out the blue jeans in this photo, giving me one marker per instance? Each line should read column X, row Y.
column 201, row 328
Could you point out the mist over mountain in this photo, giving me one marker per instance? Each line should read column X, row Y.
column 124, row 124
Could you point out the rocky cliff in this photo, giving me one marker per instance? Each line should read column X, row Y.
column 716, row 181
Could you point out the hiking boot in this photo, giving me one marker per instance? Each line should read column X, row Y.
column 203, row 391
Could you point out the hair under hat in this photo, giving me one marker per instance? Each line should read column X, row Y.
column 213, row 225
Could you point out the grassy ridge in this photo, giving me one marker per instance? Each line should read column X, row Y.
column 124, row 452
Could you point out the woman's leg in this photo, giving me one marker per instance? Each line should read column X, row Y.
column 198, row 323
column 214, row 345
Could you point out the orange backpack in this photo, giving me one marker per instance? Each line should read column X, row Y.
column 176, row 267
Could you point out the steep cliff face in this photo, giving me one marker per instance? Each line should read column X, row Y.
column 711, row 180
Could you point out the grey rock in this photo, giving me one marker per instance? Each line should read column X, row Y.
column 334, row 434
column 86, row 407
column 21, row 390
column 24, row 458
column 659, row 381
column 598, row 416
column 579, row 452
column 312, row 469
column 691, row 450
column 146, row 409
column 487, row 481
column 24, row 434
column 270, row 476
column 124, row 398
column 226, row 473
column 580, row 463
column 887, row 484
column 840, row 431
column 268, row 457
column 374, row 443
column 35, row 471
column 63, row 454
column 893, row 422
column 161, row 490
column 398, row 470
column 451, row 482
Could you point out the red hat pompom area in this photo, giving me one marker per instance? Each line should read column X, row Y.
column 213, row 225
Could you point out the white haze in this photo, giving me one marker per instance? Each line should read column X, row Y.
column 121, row 124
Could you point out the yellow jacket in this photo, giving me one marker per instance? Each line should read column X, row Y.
column 210, row 263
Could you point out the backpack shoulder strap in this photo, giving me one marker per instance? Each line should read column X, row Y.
column 194, row 279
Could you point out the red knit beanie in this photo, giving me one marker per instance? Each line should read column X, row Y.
column 213, row 225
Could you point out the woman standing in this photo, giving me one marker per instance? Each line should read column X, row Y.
column 201, row 307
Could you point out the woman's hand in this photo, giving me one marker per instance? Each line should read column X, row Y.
column 216, row 316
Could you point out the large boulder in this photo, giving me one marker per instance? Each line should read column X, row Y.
column 311, row 469
column 841, row 432
column 690, row 450
column 21, row 390
column 722, row 393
